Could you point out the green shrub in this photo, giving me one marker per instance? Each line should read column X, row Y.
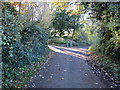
column 60, row 42
column 93, row 48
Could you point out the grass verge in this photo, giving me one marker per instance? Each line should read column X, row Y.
column 60, row 42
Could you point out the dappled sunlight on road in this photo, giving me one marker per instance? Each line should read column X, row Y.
column 76, row 52
column 55, row 49
column 73, row 48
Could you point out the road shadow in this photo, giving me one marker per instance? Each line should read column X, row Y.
column 79, row 52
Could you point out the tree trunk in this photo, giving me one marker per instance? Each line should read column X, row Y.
column 19, row 8
column 73, row 33
column 32, row 13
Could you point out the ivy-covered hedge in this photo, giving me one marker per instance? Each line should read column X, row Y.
column 24, row 47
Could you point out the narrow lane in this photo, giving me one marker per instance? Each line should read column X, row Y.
column 67, row 69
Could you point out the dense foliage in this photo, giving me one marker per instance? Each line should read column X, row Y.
column 24, row 46
column 108, row 15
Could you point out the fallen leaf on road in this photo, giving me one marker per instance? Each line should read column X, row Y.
column 96, row 83
column 62, row 78
column 40, row 75
column 43, row 77
column 35, row 76
column 65, row 70
column 31, row 77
